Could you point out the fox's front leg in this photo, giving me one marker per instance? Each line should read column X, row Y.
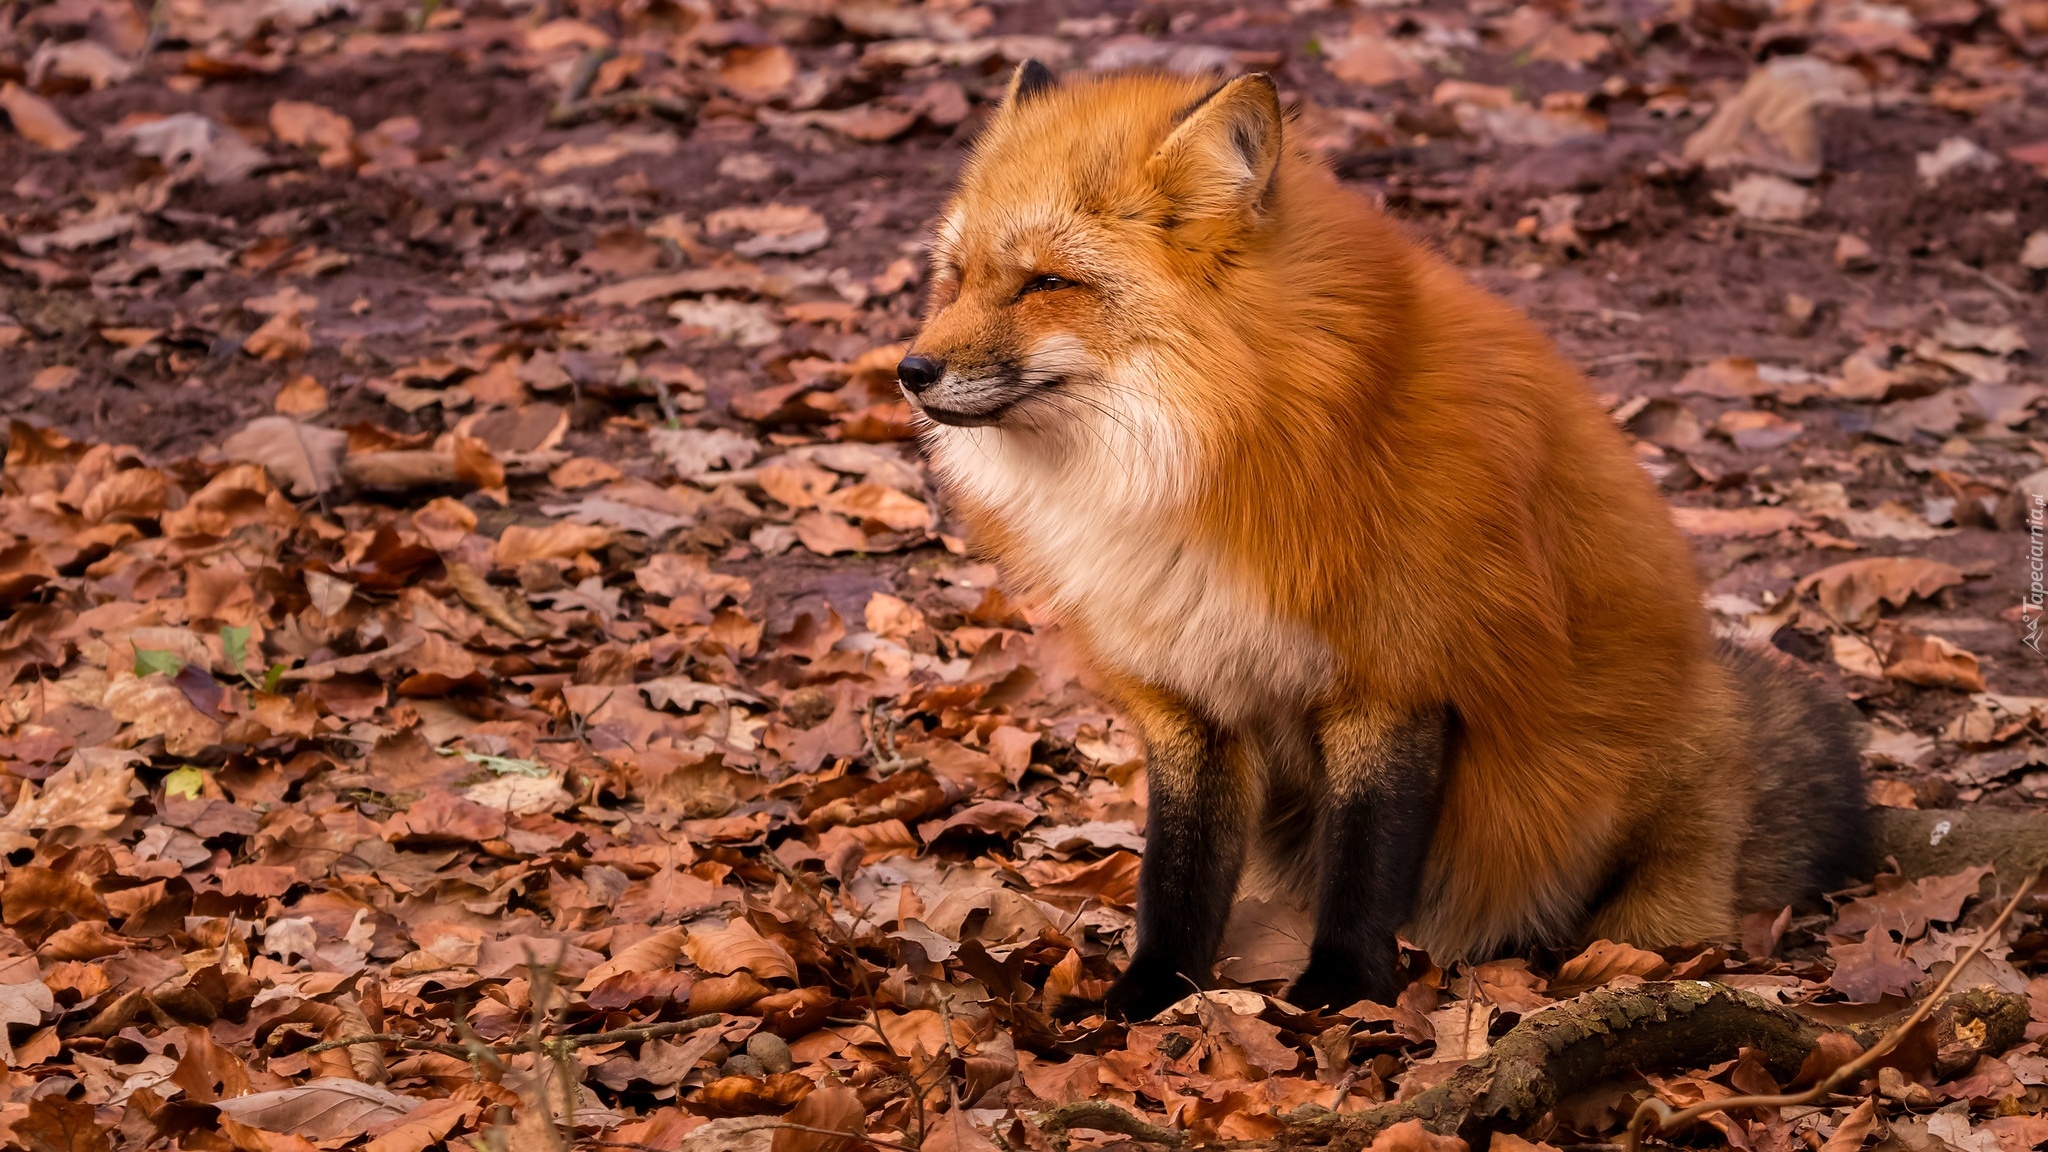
column 1200, row 805
column 1385, row 782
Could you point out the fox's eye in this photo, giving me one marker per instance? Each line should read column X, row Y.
column 1044, row 284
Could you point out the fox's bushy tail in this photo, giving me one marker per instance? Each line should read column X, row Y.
column 1810, row 831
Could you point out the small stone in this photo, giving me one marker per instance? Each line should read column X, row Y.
column 808, row 707
column 1772, row 199
column 2035, row 254
column 743, row 1064
column 1853, row 253
column 1953, row 156
column 771, row 1051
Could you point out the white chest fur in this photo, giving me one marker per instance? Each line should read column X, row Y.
column 1096, row 539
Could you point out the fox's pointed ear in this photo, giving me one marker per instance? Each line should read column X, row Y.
column 1030, row 79
column 1221, row 158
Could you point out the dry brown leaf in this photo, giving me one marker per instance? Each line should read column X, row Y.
column 507, row 611
column 738, row 947
column 282, row 337
column 829, row 535
column 1604, row 961
column 37, row 120
column 305, row 458
column 366, row 1060
column 1869, row 970
column 1772, row 123
column 329, row 1108
column 154, row 706
column 654, row 954
column 757, row 73
column 955, row 1131
column 1854, row 1129
column 1931, row 662
column 318, row 127
column 1411, row 1136
column 1853, row 592
column 836, row 1108
column 301, row 396
column 1756, row 521
column 562, row 540
column 1366, row 57
column 879, row 503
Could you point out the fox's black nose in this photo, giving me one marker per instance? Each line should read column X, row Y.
column 919, row 372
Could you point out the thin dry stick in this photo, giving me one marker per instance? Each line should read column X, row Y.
column 393, row 1038
column 567, row 1043
column 853, row 1136
column 1656, row 1111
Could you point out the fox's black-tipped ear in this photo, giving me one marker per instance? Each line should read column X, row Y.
column 1030, row 79
column 1221, row 158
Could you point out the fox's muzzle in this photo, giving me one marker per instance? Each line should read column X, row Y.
column 962, row 397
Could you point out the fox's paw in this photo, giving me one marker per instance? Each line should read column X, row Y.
column 1327, row 984
column 1146, row 989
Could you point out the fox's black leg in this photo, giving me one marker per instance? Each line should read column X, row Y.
column 1199, row 809
column 1385, row 778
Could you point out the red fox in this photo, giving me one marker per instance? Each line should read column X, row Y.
column 1381, row 585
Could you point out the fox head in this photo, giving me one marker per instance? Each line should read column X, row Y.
column 1086, row 253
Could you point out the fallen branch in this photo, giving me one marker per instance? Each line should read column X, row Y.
column 1944, row 841
column 1612, row 1033
column 1655, row 1115
column 1101, row 1116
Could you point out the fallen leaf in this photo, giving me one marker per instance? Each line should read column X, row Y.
column 329, row 1108
column 834, row 1109
column 315, row 126
column 1603, row 961
column 1866, row 971
column 655, row 953
column 36, row 120
column 1772, row 123
column 305, row 458
column 738, row 947
column 1931, row 662
column 301, row 396
column 758, row 74
column 1854, row 591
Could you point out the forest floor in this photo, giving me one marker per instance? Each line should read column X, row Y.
column 458, row 512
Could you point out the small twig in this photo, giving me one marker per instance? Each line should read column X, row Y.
column 158, row 24
column 1655, row 1111
column 479, row 1054
column 638, row 1032
column 579, row 723
column 584, row 74
column 573, row 112
column 853, row 1136
column 670, row 416
column 395, row 1038
column 2001, row 287
column 1778, row 229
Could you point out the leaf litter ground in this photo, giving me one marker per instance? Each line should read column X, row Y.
column 466, row 580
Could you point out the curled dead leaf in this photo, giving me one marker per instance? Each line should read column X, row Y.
column 738, row 947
